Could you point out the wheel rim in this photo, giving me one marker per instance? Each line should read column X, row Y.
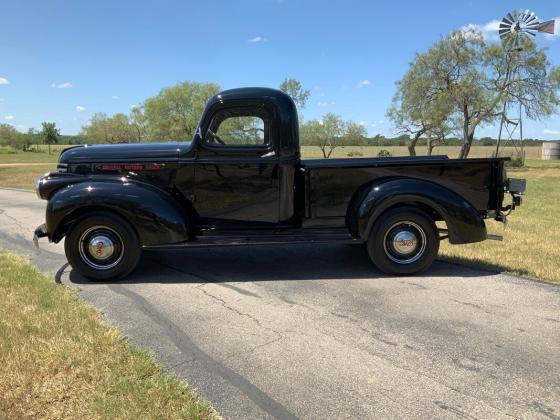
column 404, row 242
column 101, row 247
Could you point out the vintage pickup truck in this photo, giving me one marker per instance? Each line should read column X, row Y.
column 241, row 181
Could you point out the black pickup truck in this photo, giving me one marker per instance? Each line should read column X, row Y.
column 241, row 181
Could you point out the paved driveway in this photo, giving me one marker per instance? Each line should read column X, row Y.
column 316, row 332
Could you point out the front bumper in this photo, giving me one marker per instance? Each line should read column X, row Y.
column 40, row 232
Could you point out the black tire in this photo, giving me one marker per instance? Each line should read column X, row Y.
column 102, row 246
column 403, row 241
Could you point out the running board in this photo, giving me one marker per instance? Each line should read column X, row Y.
column 222, row 241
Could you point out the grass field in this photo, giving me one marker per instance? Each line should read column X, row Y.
column 529, row 238
column 526, row 247
column 57, row 360
column 8, row 155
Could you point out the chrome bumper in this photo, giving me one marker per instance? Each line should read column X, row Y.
column 40, row 232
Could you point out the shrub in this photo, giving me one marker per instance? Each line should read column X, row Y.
column 384, row 153
column 517, row 161
column 353, row 153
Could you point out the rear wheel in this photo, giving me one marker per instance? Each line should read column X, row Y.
column 403, row 241
column 102, row 247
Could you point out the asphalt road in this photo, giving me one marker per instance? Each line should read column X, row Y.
column 316, row 332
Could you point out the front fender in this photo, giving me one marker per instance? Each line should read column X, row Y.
column 154, row 214
column 463, row 220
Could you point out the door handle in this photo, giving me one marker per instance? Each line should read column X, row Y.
column 272, row 153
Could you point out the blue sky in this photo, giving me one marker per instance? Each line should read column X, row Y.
column 63, row 61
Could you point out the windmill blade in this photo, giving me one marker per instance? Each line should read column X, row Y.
column 506, row 20
column 525, row 15
column 547, row 27
column 505, row 26
column 510, row 17
column 533, row 26
column 531, row 19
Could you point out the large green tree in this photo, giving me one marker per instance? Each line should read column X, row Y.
column 50, row 133
column 114, row 129
column 462, row 83
column 294, row 88
column 9, row 136
column 174, row 113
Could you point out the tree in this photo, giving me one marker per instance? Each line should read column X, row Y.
column 50, row 134
column 105, row 129
column 461, row 83
column 296, row 91
column 327, row 134
column 8, row 135
column 29, row 138
column 354, row 133
column 174, row 112
column 138, row 124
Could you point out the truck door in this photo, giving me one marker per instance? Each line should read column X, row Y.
column 236, row 171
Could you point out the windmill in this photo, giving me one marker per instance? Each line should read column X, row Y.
column 514, row 28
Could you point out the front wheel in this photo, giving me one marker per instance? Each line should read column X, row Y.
column 403, row 241
column 102, row 247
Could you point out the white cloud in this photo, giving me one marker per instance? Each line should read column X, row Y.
column 489, row 30
column 324, row 104
column 364, row 123
column 9, row 117
column 80, row 108
column 363, row 83
column 114, row 97
column 318, row 91
column 549, row 131
column 4, row 81
column 65, row 85
column 256, row 39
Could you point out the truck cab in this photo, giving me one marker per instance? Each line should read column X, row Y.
column 241, row 181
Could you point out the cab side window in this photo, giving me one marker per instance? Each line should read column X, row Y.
column 239, row 127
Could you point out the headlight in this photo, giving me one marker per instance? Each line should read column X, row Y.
column 38, row 184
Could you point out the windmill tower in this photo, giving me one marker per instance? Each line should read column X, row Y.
column 514, row 27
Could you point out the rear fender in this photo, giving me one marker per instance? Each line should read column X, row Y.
column 155, row 215
column 464, row 223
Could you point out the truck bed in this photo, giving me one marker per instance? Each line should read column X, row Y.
column 331, row 182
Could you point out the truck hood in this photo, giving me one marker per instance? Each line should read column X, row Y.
column 125, row 152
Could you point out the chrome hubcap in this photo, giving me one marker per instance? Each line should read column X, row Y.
column 404, row 242
column 101, row 247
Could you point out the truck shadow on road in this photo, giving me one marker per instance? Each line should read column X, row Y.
column 268, row 263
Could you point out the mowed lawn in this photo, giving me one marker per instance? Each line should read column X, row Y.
column 57, row 360
column 528, row 239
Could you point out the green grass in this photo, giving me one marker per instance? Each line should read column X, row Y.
column 529, row 241
column 9, row 155
column 23, row 176
column 57, row 360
